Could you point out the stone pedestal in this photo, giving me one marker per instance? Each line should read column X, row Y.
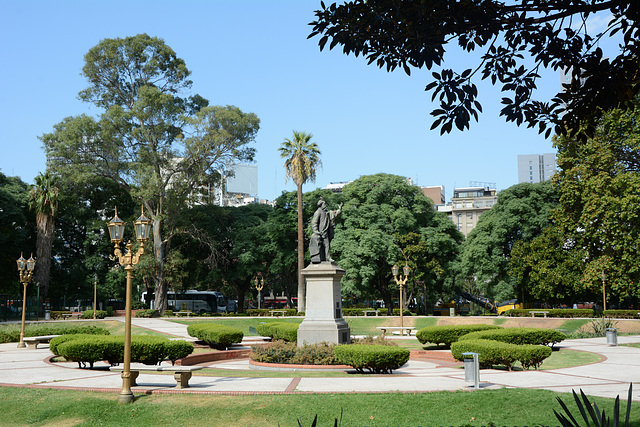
column 323, row 316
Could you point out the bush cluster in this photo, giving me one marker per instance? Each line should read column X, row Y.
column 279, row 331
column 448, row 334
column 284, row 352
column 379, row 359
column 518, row 336
column 88, row 314
column 556, row 312
column 492, row 352
column 144, row 349
column 38, row 330
column 214, row 334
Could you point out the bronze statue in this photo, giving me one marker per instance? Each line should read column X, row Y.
column 323, row 225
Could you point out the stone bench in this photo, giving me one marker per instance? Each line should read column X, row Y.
column 533, row 313
column 32, row 342
column 408, row 329
column 366, row 312
column 182, row 374
column 187, row 312
column 277, row 311
column 65, row 316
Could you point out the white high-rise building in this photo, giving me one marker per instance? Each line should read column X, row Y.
column 534, row 168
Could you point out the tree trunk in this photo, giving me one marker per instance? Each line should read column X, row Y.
column 160, row 283
column 301, row 290
column 42, row 273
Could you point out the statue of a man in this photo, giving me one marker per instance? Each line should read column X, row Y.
column 322, row 224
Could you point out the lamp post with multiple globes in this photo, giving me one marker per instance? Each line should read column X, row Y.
column 25, row 269
column 128, row 259
column 401, row 282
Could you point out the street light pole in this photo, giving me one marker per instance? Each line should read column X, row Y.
column 401, row 282
column 95, row 294
column 603, row 276
column 128, row 259
column 25, row 270
column 259, row 287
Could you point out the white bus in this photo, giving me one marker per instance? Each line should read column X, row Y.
column 195, row 301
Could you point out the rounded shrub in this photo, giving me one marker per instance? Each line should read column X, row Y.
column 144, row 349
column 492, row 352
column 448, row 334
column 215, row 334
column 279, row 331
column 178, row 349
column 379, row 359
column 88, row 314
column 519, row 336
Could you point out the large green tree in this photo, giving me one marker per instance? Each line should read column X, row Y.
column 233, row 241
column 302, row 159
column 151, row 138
column 16, row 223
column 378, row 210
column 515, row 38
column 521, row 213
column 43, row 200
column 599, row 212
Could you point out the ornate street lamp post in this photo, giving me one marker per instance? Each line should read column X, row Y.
column 128, row 259
column 401, row 282
column 25, row 269
column 259, row 287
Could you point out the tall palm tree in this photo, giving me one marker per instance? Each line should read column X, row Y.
column 302, row 160
column 43, row 199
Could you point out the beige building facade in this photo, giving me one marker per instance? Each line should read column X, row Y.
column 468, row 203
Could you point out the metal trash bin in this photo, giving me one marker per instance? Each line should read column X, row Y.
column 612, row 336
column 47, row 315
column 472, row 369
column 452, row 311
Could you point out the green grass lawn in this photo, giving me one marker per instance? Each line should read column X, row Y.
column 511, row 407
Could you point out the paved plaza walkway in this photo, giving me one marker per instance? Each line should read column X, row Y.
column 608, row 378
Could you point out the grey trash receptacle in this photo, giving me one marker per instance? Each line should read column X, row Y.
column 471, row 369
column 612, row 336
column 47, row 315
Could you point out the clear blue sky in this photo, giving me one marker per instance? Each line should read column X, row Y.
column 255, row 55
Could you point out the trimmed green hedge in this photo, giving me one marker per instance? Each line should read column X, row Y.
column 88, row 314
column 215, row 334
column 448, row 334
column 555, row 312
column 38, row 330
column 622, row 314
column 147, row 313
column 279, row 331
column 289, row 353
column 518, row 336
column 144, row 349
column 267, row 312
column 380, row 359
column 499, row 353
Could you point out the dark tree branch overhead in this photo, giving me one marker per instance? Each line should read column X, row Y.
column 516, row 38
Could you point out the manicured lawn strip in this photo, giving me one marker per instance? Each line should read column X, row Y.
column 500, row 407
column 366, row 325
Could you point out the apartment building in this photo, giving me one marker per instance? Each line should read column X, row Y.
column 468, row 203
